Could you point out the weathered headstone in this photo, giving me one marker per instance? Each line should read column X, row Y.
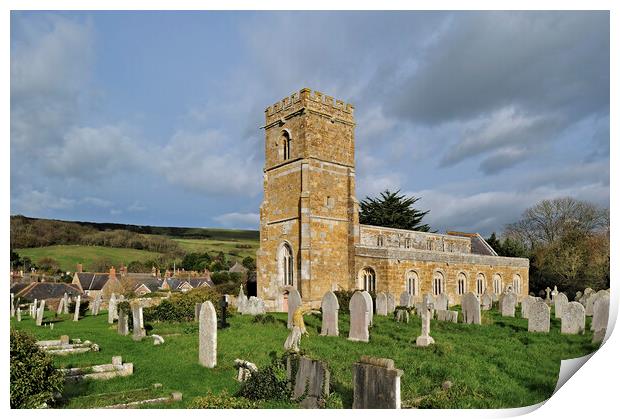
column 554, row 293
column 391, row 303
column 447, row 316
column 207, row 331
column 40, row 312
column 376, row 384
column 559, row 302
column 294, row 301
column 425, row 338
column 137, row 320
column 471, row 308
column 405, row 299
column 600, row 315
column 573, row 319
column 329, row 310
column 527, row 301
column 112, row 309
column 19, row 314
column 539, row 315
column 507, row 304
column 381, row 302
column 66, row 305
column 371, row 311
column 255, row 306
column 59, row 309
column 548, row 297
column 12, row 305
column 578, row 295
column 33, row 309
column 123, row 323
column 242, row 302
column 486, row 301
column 312, row 382
column 401, row 315
column 441, row 302
column 76, row 315
column 358, row 308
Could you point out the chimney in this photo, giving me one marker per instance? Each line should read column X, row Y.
column 112, row 273
column 79, row 267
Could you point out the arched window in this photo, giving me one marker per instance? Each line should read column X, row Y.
column 368, row 279
column 461, row 283
column 286, row 145
column 438, row 284
column 516, row 283
column 407, row 242
column 412, row 283
column 480, row 284
column 380, row 240
column 285, row 261
column 497, row 284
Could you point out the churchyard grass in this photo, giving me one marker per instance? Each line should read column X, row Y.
column 493, row 365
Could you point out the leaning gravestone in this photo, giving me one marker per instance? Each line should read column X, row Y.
column 376, row 384
column 391, row 303
column 486, row 301
column 311, row 383
column 358, row 318
column 471, row 308
column 122, row 328
column 329, row 310
column 527, row 301
column 138, row 321
column 40, row 312
column 573, row 319
column 371, row 313
column 60, row 307
column 600, row 313
column 559, row 302
column 294, row 301
column 207, row 331
column 76, row 315
column 448, row 316
column 508, row 303
column 441, row 302
column 425, row 338
column 112, row 310
column 381, row 301
column 539, row 315
column 405, row 299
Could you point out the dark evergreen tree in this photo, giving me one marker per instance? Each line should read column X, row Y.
column 392, row 210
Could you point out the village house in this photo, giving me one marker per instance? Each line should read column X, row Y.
column 95, row 284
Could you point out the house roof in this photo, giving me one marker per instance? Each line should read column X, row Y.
column 152, row 284
column 92, row 281
column 17, row 287
column 237, row 267
column 479, row 245
column 48, row 290
column 200, row 282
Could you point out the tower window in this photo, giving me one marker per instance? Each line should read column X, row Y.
column 286, row 145
column 286, row 264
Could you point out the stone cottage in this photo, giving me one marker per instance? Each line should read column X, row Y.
column 310, row 235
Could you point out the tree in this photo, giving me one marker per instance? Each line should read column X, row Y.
column 48, row 264
column 249, row 263
column 494, row 243
column 15, row 260
column 392, row 210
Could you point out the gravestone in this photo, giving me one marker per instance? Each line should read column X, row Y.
column 19, row 314
column 59, row 309
column 294, row 301
column 138, row 321
column 40, row 312
column 112, row 310
column 448, row 316
column 405, row 299
column 358, row 318
column 311, row 382
column 425, row 338
column 329, row 310
column 470, row 307
column 12, row 305
column 554, row 293
column 573, row 319
column 371, row 312
column 381, row 301
column 486, row 301
column 197, row 308
column 255, row 306
column 401, row 315
column 539, row 317
column 391, row 303
column 527, row 301
column 207, row 331
column 76, row 315
column 578, row 295
column 122, row 328
column 494, row 297
column 242, row 301
column 588, row 300
column 33, row 309
column 67, row 301
column 223, row 306
column 548, row 297
column 376, row 384
column 559, row 302
column 507, row 304
column 600, row 315
column 598, row 336
column 441, row 302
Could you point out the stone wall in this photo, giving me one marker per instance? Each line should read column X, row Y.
column 373, row 236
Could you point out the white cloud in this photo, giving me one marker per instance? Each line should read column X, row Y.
column 97, row 202
column 33, row 202
column 238, row 219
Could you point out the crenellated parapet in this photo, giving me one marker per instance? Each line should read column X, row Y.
column 312, row 101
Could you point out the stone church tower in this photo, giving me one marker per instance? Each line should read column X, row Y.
column 309, row 216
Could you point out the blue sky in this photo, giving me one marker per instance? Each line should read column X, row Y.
column 153, row 117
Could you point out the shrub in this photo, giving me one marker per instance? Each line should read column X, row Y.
column 181, row 307
column 269, row 383
column 222, row 401
column 343, row 300
column 264, row 319
column 34, row 380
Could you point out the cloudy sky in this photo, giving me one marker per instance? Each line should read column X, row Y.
column 153, row 117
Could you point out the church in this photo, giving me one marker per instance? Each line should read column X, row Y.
column 310, row 235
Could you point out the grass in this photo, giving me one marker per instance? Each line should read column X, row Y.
column 233, row 248
column 69, row 255
column 497, row 365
